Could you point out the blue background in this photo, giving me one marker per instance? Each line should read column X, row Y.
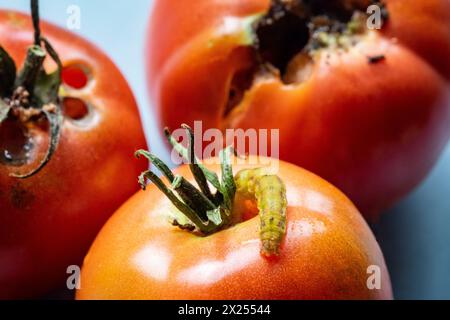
column 414, row 235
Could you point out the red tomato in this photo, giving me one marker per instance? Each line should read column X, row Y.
column 369, row 113
column 326, row 253
column 48, row 221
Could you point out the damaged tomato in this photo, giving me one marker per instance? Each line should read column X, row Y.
column 367, row 109
column 68, row 124
column 270, row 231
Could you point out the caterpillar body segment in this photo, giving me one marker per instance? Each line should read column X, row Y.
column 269, row 192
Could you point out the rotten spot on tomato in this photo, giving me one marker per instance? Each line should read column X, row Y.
column 75, row 76
column 286, row 38
column 75, row 108
column 280, row 35
column 293, row 27
column 15, row 143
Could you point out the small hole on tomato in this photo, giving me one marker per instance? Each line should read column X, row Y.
column 75, row 108
column 15, row 143
column 75, row 76
column 241, row 82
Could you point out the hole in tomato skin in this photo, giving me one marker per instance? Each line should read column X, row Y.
column 15, row 143
column 251, row 210
column 280, row 36
column 241, row 82
column 75, row 108
column 286, row 37
column 289, row 27
column 75, row 76
column 244, row 209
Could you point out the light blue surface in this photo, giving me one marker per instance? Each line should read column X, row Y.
column 415, row 235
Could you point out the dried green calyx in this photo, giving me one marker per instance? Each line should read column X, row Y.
column 207, row 212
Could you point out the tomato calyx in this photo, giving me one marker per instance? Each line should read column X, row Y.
column 30, row 96
column 205, row 212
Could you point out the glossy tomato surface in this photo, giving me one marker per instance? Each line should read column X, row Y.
column 48, row 221
column 326, row 252
column 374, row 128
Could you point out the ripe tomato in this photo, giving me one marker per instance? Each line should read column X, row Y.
column 325, row 254
column 365, row 109
column 48, row 221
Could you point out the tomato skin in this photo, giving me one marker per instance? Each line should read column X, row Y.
column 325, row 254
column 373, row 130
column 47, row 222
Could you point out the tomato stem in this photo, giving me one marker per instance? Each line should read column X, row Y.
column 33, row 94
column 35, row 19
column 32, row 66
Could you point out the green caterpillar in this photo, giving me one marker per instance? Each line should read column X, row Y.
column 269, row 192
